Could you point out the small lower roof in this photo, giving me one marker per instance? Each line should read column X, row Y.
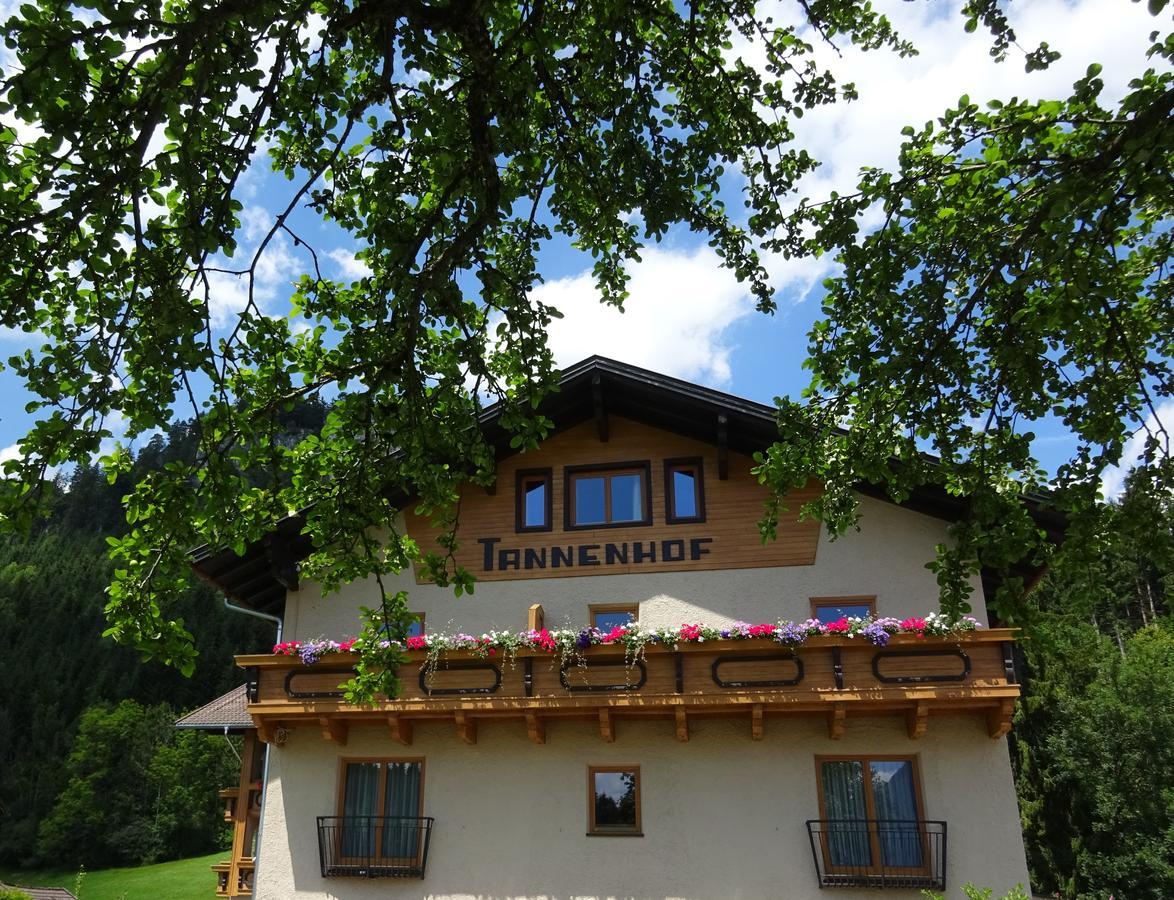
column 226, row 713
column 40, row 893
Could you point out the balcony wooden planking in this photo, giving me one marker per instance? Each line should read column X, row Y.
column 917, row 677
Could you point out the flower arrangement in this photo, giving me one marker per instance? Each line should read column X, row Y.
column 570, row 643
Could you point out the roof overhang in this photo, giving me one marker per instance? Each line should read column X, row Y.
column 593, row 389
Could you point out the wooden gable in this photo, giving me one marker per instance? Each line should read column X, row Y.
column 492, row 548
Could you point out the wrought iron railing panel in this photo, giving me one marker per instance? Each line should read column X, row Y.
column 879, row 853
column 374, row 846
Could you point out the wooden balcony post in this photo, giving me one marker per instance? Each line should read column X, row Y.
column 536, row 618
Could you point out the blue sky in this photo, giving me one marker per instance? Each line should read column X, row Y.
column 687, row 316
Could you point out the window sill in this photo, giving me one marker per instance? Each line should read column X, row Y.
column 615, row 834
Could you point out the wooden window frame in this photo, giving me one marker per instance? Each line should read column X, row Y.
column 868, row 600
column 532, row 475
column 594, row 609
column 381, row 799
column 676, row 465
column 592, row 829
column 641, row 467
column 877, row 865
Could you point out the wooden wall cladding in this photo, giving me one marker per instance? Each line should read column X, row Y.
column 493, row 550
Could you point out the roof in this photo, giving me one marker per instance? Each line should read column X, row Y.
column 594, row 388
column 42, row 893
column 225, row 713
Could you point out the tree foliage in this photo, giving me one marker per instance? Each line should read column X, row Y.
column 1020, row 272
column 453, row 142
column 1093, row 744
column 137, row 790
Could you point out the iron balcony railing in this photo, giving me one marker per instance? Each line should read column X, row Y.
column 374, row 846
column 879, row 853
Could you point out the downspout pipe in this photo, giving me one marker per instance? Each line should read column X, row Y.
column 280, row 623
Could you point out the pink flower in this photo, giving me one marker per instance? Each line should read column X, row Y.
column 913, row 624
column 840, row 626
column 417, row 642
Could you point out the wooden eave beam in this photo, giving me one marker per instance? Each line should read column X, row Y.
column 282, row 562
column 917, row 720
column 682, row 724
column 998, row 720
column 401, row 730
column 536, row 728
column 600, row 408
column 836, row 720
column 723, row 448
column 606, row 725
column 334, row 729
column 757, row 728
column 466, row 728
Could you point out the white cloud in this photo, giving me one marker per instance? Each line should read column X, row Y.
column 679, row 306
column 272, row 278
column 348, row 265
column 1113, row 478
column 895, row 92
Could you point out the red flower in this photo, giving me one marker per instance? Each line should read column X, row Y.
column 914, row 624
column 617, row 633
column 690, row 632
column 837, row 627
column 764, row 630
column 417, row 642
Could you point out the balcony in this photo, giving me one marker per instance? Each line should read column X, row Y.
column 374, row 846
column 915, row 678
column 879, row 853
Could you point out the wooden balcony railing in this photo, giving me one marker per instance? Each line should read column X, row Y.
column 915, row 677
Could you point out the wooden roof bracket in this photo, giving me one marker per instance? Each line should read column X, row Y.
column 723, row 448
column 282, row 563
column 600, row 408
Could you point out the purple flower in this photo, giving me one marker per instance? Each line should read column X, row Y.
column 583, row 641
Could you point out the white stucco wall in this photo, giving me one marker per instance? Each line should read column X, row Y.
column 723, row 816
column 886, row 558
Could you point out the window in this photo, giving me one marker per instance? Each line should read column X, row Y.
column 606, row 616
column 608, row 496
column 613, row 800
column 684, row 495
column 381, row 803
column 832, row 609
column 872, row 812
column 534, row 500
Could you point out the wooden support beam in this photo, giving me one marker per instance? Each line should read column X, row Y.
column 682, row 724
column 998, row 720
column 466, row 729
column 333, row 729
column 723, row 449
column 606, row 726
column 917, row 720
column 266, row 731
column 536, row 618
column 401, row 730
column 757, row 729
column 282, row 564
column 536, row 728
column 836, row 720
column 600, row 408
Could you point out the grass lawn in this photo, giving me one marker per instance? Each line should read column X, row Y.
column 183, row 879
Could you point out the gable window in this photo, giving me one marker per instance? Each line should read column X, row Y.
column 832, row 609
column 684, row 495
column 381, row 807
column 613, row 801
column 872, row 812
column 606, row 616
column 534, row 501
column 608, row 496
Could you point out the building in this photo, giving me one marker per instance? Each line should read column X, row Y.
column 738, row 766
